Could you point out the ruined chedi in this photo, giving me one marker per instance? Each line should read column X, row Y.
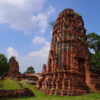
column 68, row 57
column 13, row 68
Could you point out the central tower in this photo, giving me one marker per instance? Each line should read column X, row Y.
column 68, row 57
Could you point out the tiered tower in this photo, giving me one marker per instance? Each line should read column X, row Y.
column 68, row 57
column 13, row 65
column 13, row 68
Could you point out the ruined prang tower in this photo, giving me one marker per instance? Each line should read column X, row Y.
column 68, row 57
column 13, row 68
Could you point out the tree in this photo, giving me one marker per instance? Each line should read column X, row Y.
column 95, row 62
column 93, row 41
column 30, row 70
column 3, row 64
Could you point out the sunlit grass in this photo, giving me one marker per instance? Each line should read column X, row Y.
column 41, row 96
column 9, row 84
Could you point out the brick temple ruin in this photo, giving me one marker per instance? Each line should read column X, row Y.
column 69, row 60
column 13, row 68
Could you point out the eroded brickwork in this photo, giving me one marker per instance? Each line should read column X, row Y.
column 68, row 57
column 93, row 81
column 13, row 69
column 13, row 65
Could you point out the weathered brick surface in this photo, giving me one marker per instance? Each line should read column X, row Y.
column 93, row 81
column 15, row 93
column 68, row 57
column 13, row 69
column 44, row 68
column 30, row 77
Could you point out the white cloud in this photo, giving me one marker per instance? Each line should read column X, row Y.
column 36, row 58
column 39, row 40
column 25, row 15
column 43, row 52
column 41, row 20
column 11, row 52
column 51, row 10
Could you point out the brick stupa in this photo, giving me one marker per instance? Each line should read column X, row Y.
column 68, row 57
column 13, row 68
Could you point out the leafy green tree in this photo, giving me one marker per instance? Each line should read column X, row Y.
column 3, row 64
column 30, row 70
column 95, row 62
column 93, row 41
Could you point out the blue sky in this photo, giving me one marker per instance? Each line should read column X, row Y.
column 24, row 29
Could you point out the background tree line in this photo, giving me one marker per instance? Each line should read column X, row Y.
column 93, row 41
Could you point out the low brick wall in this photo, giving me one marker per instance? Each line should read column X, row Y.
column 15, row 93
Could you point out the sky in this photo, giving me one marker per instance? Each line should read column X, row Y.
column 25, row 31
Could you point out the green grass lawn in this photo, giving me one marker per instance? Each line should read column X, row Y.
column 41, row 96
column 9, row 84
column 1, row 85
column 12, row 84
